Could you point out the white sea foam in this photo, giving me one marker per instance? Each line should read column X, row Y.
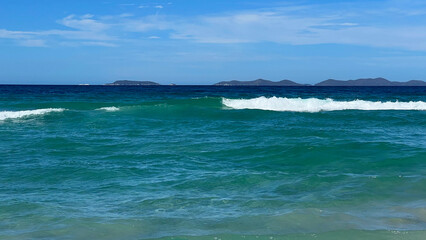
column 109, row 109
column 317, row 105
column 20, row 114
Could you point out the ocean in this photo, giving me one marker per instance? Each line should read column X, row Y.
column 210, row 162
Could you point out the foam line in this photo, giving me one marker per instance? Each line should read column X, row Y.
column 20, row 114
column 317, row 105
column 109, row 109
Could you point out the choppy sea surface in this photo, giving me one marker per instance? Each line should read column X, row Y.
column 205, row 162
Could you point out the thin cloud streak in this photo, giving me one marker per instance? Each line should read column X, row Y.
column 286, row 25
column 33, row 43
column 282, row 29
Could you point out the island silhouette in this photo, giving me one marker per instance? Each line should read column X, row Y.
column 371, row 82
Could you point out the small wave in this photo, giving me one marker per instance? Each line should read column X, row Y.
column 20, row 114
column 109, row 109
column 317, row 105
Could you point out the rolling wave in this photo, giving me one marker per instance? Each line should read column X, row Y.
column 109, row 109
column 20, row 114
column 317, row 105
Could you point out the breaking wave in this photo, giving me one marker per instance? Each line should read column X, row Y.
column 317, row 105
column 20, row 114
column 109, row 109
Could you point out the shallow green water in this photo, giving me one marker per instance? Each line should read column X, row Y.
column 179, row 163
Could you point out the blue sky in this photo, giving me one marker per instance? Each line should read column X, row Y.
column 203, row 42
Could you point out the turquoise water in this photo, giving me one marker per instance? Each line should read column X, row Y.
column 95, row 162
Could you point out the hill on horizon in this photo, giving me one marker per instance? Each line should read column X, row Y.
column 132, row 83
column 369, row 82
column 330, row 82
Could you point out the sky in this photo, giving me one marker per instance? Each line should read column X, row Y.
column 204, row 42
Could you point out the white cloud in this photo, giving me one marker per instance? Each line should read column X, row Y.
column 147, row 23
column 88, row 43
column 159, row 6
column 84, row 28
column 296, row 25
column 32, row 43
column 85, row 22
column 283, row 28
column 252, row 27
column 348, row 24
column 15, row 34
column 78, row 35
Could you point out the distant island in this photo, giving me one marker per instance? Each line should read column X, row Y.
column 369, row 82
column 372, row 82
column 362, row 82
column 258, row 82
column 132, row 83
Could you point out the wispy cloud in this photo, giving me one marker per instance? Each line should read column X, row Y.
column 84, row 23
column 295, row 25
column 302, row 25
column 158, row 6
column 32, row 43
column 253, row 27
column 80, row 28
column 88, row 43
column 15, row 34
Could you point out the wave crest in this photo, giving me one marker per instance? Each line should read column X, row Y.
column 20, row 114
column 317, row 105
column 109, row 109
